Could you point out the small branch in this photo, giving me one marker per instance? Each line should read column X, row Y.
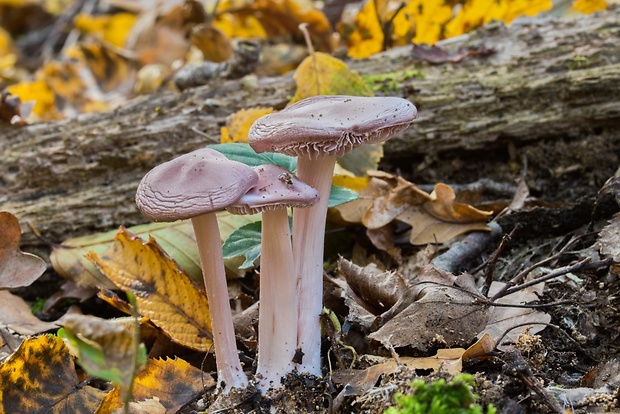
column 468, row 248
column 492, row 262
column 523, row 274
column 516, row 365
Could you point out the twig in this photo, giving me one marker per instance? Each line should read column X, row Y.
column 516, row 365
column 582, row 264
column 468, row 248
column 492, row 262
column 523, row 274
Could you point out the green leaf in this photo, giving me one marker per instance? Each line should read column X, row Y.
column 244, row 242
column 341, row 195
column 177, row 239
column 244, row 153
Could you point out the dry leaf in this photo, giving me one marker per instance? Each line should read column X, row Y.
column 375, row 286
column 323, row 74
column 214, row 45
column 390, row 205
column 239, row 123
column 503, row 319
column 164, row 293
column 282, row 18
column 17, row 269
column 12, row 110
column 173, row 382
column 16, row 315
column 359, row 382
column 440, row 314
column 104, row 348
column 609, row 239
column 40, row 378
column 177, row 239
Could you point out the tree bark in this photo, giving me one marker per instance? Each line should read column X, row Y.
column 548, row 79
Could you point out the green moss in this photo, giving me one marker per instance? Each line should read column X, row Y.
column 439, row 397
column 388, row 82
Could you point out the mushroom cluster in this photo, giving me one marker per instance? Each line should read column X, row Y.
column 194, row 186
column 318, row 130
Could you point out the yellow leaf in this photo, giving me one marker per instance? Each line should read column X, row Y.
column 246, row 27
column 173, row 382
column 6, row 43
column 112, row 29
column 239, row 123
column 366, row 38
column 589, row 6
column 40, row 378
column 322, row 74
column 164, row 293
column 276, row 18
column 43, row 96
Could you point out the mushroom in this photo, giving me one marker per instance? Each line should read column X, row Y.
column 194, row 186
column 318, row 130
column 276, row 190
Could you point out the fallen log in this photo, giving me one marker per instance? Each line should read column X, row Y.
column 547, row 79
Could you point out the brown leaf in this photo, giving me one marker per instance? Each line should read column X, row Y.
column 15, row 314
column 390, row 205
column 445, row 360
column 441, row 313
column 214, row 45
column 442, row 205
column 173, row 381
column 12, row 110
column 17, row 268
column 502, row 320
column 40, row 378
column 381, row 289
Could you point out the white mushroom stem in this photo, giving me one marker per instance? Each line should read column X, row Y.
column 308, row 248
column 277, row 320
column 229, row 372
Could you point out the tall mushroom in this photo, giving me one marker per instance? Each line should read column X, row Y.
column 318, row 130
column 194, row 186
column 276, row 190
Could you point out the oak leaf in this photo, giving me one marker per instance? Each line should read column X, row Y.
column 212, row 42
column 164, row 292
column 17, row 269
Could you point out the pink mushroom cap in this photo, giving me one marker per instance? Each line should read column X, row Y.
column 330, row 125
column 200, row 182
column 277, row 187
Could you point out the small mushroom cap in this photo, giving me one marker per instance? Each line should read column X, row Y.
column 202, row 181
column 277, row 187
column 331, row 125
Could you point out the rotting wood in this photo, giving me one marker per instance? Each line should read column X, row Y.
column 547, row 80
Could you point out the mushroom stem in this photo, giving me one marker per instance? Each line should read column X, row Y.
column 277, row 321
column 229, row 372
column 308, row 247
